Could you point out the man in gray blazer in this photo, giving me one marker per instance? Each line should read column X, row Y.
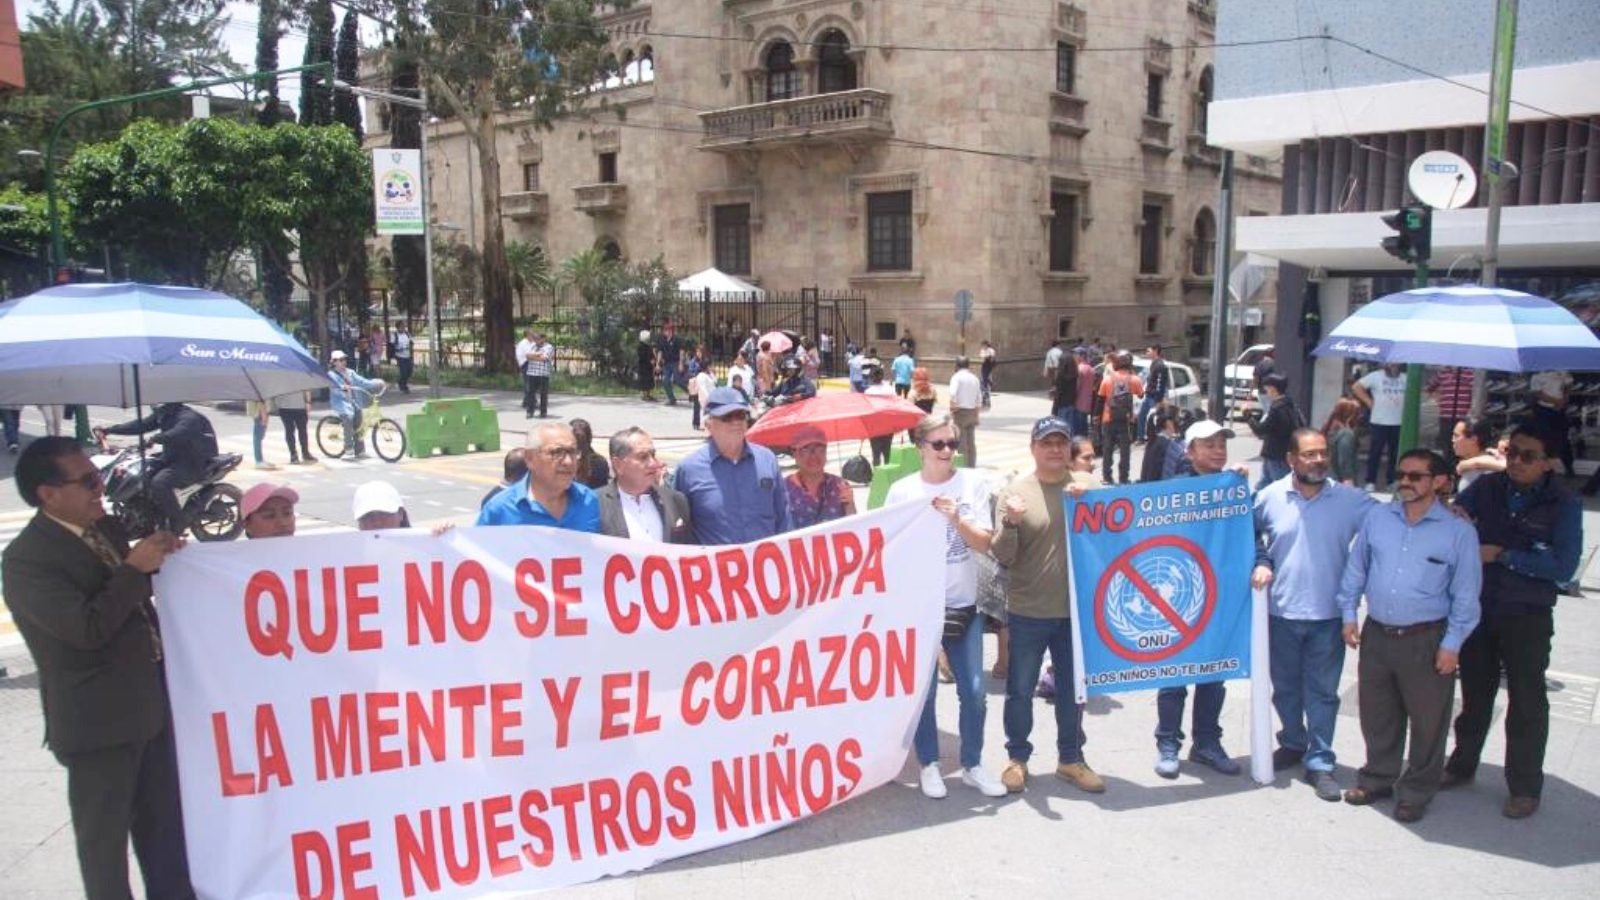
column 635, row 504
column 81, row 599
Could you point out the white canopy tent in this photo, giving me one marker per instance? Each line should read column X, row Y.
column 719, row 282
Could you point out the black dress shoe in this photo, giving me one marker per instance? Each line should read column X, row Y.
column 1286, row 758
column 1326, row 786
column 1360, row 796
column 1409, row 812
column 1453, row 779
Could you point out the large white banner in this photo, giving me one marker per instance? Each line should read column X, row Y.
column 495, row 710
column 397, row 191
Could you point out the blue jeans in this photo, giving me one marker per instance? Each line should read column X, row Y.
column 258, row 431
column 1151, row 401
column 669, row 377
column 1306, row 659
column 12, row 420
column 352, row 431
column 1206, row 721
column 1271, row 470
column 1078, row 421
column 1383, row 436
column 966, row 663
column 1030, row 638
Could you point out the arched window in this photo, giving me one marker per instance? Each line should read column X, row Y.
column 647, row 64
column 836, row 71
column 783, row 80
column 1205, row 243
column 1202, row 100
column 610, row 249
column 630, row 68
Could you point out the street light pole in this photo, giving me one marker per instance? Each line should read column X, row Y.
column 58, row 253
column 435, row 344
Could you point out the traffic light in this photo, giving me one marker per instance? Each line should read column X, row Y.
column 1413, row 237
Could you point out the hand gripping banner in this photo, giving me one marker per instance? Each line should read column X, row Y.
column 498, row 710
column 1161, row 582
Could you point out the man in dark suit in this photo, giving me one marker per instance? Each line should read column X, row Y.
column 81, row 599
column 636, row 504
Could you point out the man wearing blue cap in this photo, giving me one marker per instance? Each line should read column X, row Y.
column 735, row 488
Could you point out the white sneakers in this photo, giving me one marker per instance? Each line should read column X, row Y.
column 933, row 787
column 987, row 784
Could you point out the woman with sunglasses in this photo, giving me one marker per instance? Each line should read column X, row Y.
column 960, row 498
column 814, row 495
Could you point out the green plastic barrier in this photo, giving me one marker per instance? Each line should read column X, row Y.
column 458, row 425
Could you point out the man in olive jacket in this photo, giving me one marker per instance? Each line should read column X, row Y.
column 81, row 599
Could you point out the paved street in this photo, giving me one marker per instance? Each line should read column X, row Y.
column 1203, row 835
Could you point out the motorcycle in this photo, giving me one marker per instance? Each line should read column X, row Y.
column 210, row 505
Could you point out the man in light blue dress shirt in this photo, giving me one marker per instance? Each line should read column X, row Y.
column 735, row 488
column 1305, row 523
column 1417, row 563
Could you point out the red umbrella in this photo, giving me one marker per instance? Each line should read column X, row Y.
column 777, row 341
column 841, row 416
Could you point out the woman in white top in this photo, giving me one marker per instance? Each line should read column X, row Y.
column 960, row 498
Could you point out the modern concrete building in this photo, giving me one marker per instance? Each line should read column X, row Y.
column 1049, row 157
column 1375, row 85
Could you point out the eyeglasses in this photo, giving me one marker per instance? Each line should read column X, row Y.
column 557, row 454
column 89, row 481
column 1516, row 454
column 941, row 446
column 733, row 419
column 812, row 448
column 1414, row 476
column 643, row 456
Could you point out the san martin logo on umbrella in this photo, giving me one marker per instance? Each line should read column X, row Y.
column 1356, row 349
column 229, row 354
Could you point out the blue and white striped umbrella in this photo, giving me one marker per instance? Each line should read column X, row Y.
column 110, row 344
column 1468, row 326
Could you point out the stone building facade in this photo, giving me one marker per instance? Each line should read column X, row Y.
column 1047, row 156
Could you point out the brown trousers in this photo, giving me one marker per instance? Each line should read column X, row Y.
column 1400, row 688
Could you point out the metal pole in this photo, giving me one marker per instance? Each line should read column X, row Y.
column 1494, row 154
column 435, row 345
column 1412, row 411
column 1215, row 404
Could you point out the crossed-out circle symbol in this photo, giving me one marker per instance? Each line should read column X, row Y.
column 1189, row 622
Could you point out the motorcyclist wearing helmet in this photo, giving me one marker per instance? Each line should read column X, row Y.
column 188, row 443
column 793, row 385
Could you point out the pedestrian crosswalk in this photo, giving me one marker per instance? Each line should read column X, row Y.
column 12, row 523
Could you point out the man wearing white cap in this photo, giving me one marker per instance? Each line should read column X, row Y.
column 268, row 510
column 347, row 401
column 1207, row 447
column 378, row 506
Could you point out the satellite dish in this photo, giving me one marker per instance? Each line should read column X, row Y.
column 1442, row 180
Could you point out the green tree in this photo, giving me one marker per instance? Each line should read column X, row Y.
column 276, row 285
column 619, row 300
column 347, row 112
column 316, row 94
column 529, row 267
column 409, row 290
column 482, row 58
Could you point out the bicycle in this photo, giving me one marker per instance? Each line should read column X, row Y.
column 388, row 438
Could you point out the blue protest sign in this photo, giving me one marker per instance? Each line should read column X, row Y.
column 1161, row 582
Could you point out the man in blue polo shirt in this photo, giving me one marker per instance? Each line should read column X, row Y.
column 735, row 488
column 547, row 495
column 1305, row 524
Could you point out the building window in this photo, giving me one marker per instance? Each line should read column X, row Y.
column 836, row 71
column 1202, row 101
column 1199, row 339
column 1150, row 239
column 608, row 168
column 610, row 249
column 1063, row 328
column 1063, row 232
column 1152, row 324
column 884, row 331
column 530, row 177
column 783, row 80
column 1066, row 67
column 889, row 232
column 731, row 238
column 1205, row 242
column 1154, row 82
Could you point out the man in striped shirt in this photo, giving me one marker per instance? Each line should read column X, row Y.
column 1451, row 389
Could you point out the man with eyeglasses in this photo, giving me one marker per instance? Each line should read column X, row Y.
column 1304, row 526
column 82, row 601
column 548, row 495
column 1417, row 563
column 1530, row 535
column 636, row 504
column 735, row 488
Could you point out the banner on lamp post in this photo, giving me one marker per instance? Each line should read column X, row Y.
column 397, row 191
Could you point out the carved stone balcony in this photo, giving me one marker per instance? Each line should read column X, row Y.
column 844, row 118
column 597, row 199
column 1156, row 135
column 526, row 206
column 1067, row 114
column 1196, row 152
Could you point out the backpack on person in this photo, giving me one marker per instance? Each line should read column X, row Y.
column 1120, row 405
column 1066, row 386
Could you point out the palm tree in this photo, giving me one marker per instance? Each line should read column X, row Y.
column 590, row 273
column 530, row 268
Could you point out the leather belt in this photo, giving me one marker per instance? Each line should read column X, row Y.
column 1403, row 630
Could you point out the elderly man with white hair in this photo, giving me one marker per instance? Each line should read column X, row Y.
column 548, row 495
